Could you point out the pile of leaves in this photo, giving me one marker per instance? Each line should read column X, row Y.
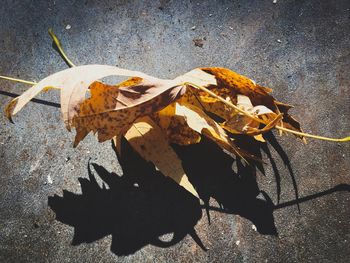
column 152, row 113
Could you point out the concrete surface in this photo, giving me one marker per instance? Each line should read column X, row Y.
column 53, row 207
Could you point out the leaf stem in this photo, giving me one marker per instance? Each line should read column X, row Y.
column 60, row 49
column 346, row 139
column 18, row 80
column 26, row 82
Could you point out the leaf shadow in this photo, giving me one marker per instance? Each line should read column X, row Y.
column 235, row 189
column 143, row 207
column 139, row 208
column 39, row 101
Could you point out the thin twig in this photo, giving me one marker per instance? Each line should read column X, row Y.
column 18, row 80
column 60, row 49
column 345, row 139
column 26, row 82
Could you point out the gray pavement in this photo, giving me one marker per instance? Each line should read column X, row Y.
column 55, row 207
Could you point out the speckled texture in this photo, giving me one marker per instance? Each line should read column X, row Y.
column 298, row 48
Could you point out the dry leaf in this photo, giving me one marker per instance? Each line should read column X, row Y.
column 175, row 126
column 110, row 110
column 70, row 81
column 242, row 124
column 147, row 138
column 152, row 112
column 187, row 124
column 258, row 95
column 229, row 86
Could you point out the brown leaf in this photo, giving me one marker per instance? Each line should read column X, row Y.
column 175, row 126
column 148, row 139
column 242, row 124
column 73, row 83
column 197, row 123
column 112, row 109
column 234, row 83
column 229, row 86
